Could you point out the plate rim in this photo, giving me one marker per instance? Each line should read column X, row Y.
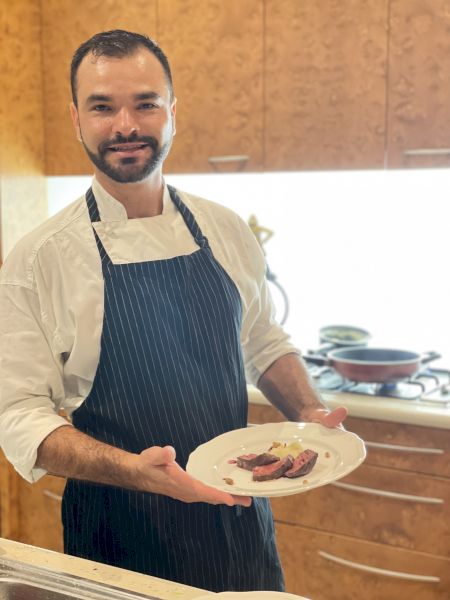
column 239, row 491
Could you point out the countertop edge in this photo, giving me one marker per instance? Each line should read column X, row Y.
column 410, row 412
column 100, row 573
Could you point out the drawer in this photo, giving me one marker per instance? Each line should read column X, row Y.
column 377, row 504
column 324, row 566
column 404, row 446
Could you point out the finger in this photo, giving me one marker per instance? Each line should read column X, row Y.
column 157, row 456
column 334, row 418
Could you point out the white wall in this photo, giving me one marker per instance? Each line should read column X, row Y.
column 367, row 248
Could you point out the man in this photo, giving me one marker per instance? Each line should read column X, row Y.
column 136, row 310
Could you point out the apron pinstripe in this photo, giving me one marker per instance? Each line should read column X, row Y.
column 170, row 372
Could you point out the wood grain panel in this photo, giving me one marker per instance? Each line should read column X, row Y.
column 215, row 49
column 325, row 84
column 66, row 24
column 402, row 434
column 9, row 500
column 419, row 81
column 396, row 522
column 40, row 513
column 309, row 574
column 22, row 185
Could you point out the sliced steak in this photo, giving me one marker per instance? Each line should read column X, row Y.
column 303, row 464
column 273, row 470
column 250, row 461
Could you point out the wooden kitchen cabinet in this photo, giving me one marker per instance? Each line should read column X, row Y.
column 215, row 49
column 418, row 116
column 325, row 92
column 391, row 513
column 30, row 513
column 309, row 561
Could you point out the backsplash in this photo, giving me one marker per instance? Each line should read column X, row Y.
column 367, row 248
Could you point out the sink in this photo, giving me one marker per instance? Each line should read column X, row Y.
column 20, row 581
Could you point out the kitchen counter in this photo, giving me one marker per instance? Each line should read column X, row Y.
column 413, row 412
column 128, row 580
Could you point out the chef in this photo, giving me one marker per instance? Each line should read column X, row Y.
column 140, row 311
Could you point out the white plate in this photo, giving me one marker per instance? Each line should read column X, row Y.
column 252, row 596
column 340, row 452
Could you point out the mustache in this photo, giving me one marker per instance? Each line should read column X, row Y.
column 131, row 139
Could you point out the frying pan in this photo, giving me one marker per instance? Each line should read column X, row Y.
column 373, row 365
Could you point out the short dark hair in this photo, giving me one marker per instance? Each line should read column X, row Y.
column 118, row 43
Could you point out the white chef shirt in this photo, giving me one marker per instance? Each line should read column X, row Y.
column 51, row 306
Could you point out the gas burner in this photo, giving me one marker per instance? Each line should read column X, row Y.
column 429, row 385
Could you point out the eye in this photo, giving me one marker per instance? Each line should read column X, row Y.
column 100, row 107
column 147, row 106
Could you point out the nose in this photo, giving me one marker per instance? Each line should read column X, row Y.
column 124, row 123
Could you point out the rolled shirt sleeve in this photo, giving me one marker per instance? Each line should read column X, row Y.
column 31, row 383
column 263, row 339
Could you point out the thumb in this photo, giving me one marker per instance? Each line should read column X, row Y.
column 335, row 417
column 157, row 456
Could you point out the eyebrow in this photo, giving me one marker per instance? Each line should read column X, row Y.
column 104, row 98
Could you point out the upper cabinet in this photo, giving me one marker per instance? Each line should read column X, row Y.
column 419, row 84
column 325, row 84
column 274, row 84
column 66, row 25
column 215, row 49
column 23, row 202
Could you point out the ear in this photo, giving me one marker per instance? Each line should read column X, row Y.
column 173, row 110
column 75, row 120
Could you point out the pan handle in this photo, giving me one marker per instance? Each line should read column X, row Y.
column 429, row 356
column 321, row 361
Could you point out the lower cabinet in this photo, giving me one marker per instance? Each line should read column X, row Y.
column 382, row 532
column 30, row 513
column 324, row 566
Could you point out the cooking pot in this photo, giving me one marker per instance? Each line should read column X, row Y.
column 336, row 336
column 344, row 335
column 373, row 365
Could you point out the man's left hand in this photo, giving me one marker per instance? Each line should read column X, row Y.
column 333, row 418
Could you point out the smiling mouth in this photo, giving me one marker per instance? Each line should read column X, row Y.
column 127, row 147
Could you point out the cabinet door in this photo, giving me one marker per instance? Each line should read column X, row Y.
column 40, row 513
column 30, row 513
column 309, row 559
column 388, row 506
column 419, row 84
column 215, row 49
column 325, row 84
column 65, row 25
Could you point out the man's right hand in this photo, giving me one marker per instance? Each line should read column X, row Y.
column 67, row 452
column 158, row 472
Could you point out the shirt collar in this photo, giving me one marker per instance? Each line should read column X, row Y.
column 111, row 209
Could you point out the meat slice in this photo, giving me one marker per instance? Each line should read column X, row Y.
column 303, row 464
column 250, row 461
column 273, row 470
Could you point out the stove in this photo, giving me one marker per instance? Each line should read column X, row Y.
column 429, row 385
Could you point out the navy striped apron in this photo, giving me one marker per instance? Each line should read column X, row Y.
column 170, row 373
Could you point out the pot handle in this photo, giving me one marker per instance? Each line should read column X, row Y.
column 315, row 359
column 429, row 356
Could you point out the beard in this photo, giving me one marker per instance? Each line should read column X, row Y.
column 129, row 170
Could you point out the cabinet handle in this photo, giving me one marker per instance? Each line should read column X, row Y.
column 386, row 493
column 241, row 159
column 427, row 152
column 398, row 448
column 377, row 571
column 52, row 495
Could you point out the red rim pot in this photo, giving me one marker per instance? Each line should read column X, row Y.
column 374, row 365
